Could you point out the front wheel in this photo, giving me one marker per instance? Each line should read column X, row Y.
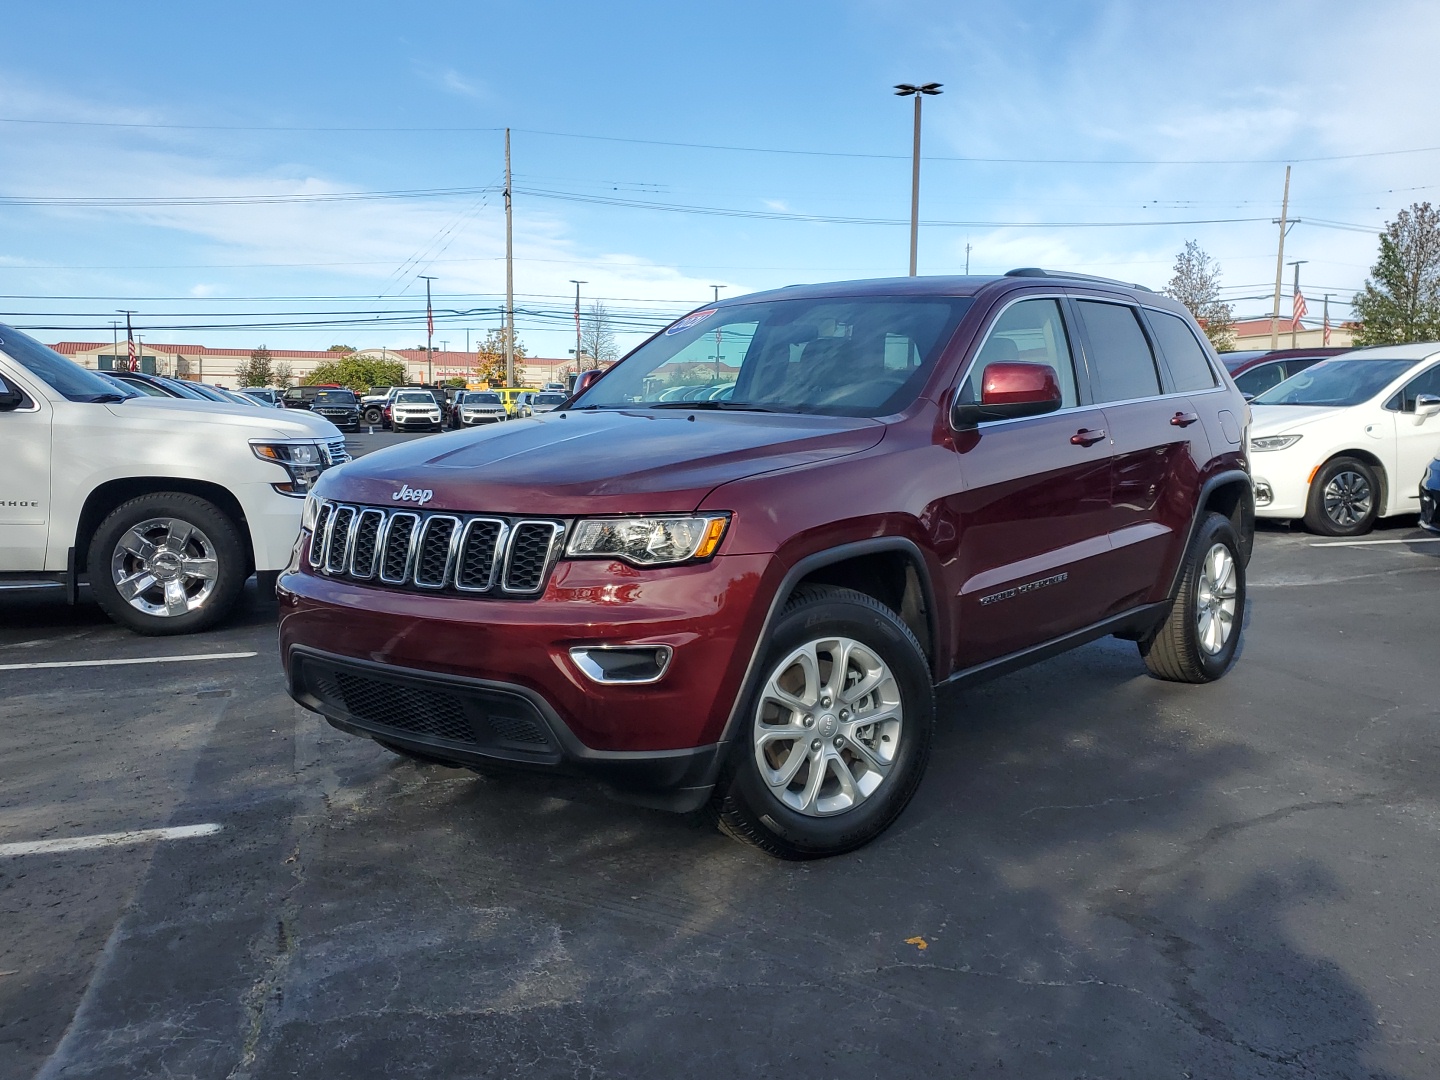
column 373, row 415
column 1344, row 499
column 1198, row 639
column 836, row 736
column 167, row 563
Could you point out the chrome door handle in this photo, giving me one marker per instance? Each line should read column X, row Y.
column 1088, row 436
column 1183, row 419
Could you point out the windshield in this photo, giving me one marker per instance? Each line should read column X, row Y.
column 416, row 398
column 483, row 399
column 841, row 356
column 65, row 377
column 1336, row 382
column 335, row 397
column 549, row 399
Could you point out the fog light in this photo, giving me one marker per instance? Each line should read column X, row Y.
column 1263, row 495
column 610, row 664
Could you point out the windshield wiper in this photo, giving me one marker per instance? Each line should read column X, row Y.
column 105, row 399
column 737, row 406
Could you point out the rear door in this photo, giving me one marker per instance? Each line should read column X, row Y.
column 1032, row 505
column 1159, row 449
column 25, row 433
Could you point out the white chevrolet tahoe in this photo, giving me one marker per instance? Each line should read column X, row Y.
column 166, row 505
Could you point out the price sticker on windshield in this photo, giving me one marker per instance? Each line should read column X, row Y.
column 690, row 320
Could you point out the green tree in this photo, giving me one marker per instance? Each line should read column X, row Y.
column 255, row 371
column 1195, row 282
column 1401, row 299
column 282, row 374
column 358, row 372
column 490, row 359
column 341, row 348
column 597, row 342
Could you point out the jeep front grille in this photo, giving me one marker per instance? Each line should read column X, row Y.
column 476, row 555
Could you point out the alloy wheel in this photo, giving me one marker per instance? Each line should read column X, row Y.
column 1215, row 596
column 828, row 726
column 165, row 567
column 1347, row 498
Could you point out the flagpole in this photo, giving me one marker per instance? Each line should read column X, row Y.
column 129, row 340
column 1297, row 304
column 1325, row 336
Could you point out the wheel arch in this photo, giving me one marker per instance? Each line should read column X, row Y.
column 888, row 564
column 1231, row 493
column 105, row 498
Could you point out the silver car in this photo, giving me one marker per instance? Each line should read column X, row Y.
column 546, row 402
column 478, row 407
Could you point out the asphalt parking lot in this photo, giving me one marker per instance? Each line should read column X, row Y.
column 1102, row 875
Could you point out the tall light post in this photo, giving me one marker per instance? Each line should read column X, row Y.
column 577, row 285
column 429, row 331
column 917, row 92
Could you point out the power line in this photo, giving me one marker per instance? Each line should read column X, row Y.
column 119, row 125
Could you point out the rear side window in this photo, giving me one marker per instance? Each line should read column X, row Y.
column 1122, row 365
column 1189, row 367
column 1031, row 331
column 1259, row 379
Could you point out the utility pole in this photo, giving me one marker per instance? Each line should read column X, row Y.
column 114, row 342
column 510, row 276
column 1295, row 322
column 917, row 92
column 717, row 289
column 967, row 258
column 1280, row 265
column 577, row 285
column 429, row 332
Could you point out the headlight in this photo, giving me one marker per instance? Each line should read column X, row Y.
column 1273, row 442
column 304, row 461
column 648, row 541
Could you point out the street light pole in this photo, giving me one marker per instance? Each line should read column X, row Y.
column 429, row 332
column 917, row 92
column 577, row 285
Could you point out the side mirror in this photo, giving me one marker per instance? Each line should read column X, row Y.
column 10, row 398
column 1010, row 390
column 1426, row 405
column 584, row 382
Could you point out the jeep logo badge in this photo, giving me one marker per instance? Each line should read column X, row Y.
column 415, row 495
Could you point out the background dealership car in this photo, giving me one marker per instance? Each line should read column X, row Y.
column 410, row 409
column 340, row 407
column 267, row 395
column 545, row 402
column 1430, row 497
column 1256, row 371
column 477, row 407
column 746, row 601
column 1344, row 442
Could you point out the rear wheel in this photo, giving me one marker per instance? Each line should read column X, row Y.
column 1197, row 641
column 373, row 415
column 167, row 563
column 836, row 736
column 1344, row 498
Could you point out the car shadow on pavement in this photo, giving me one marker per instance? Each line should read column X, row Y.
column 1073, row 892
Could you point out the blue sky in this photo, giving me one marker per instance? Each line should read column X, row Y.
column 1148, row 114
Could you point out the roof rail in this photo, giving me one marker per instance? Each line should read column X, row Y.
column 1035, row 271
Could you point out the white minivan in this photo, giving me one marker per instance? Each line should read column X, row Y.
column 165, row 505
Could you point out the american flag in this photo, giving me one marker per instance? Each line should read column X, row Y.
column 1327, row 331
column 429, row 319
column 130, row 344
column 1300, row 308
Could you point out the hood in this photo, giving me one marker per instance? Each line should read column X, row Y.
column 601, row 462
column 1280, row 419
column 257, row 423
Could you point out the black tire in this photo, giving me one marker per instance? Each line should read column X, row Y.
column 221, row 539
column 374, row 414
column 1344, row 498
column 748, row 809
column 1178, row 651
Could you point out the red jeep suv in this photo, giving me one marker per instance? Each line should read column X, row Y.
column 730, row 573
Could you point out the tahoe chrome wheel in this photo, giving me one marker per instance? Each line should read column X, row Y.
column 164, row 566
column 1347, row 498
column 828, row 726
column 1215, row 596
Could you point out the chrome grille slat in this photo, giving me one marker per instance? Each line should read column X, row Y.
column 474, row 555
column 338, row 535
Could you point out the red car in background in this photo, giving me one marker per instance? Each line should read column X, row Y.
column 1257, row 370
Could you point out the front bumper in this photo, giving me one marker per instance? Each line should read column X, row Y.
column 416, row 420
column 471, row 419
column 1430, row 499
column 1285, row 478
column 499, row 671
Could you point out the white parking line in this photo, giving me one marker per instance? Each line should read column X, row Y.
column 104, row 840
column 1368, row 543
column 133, row 660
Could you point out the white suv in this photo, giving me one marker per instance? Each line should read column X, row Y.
column 1347, row 441
column 415, row 408
column 167, row 504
